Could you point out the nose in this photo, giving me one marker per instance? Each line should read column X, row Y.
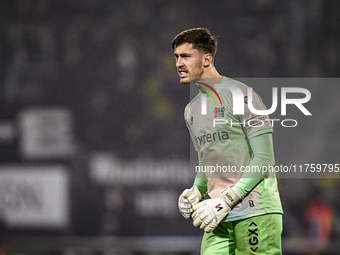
column 179, row 62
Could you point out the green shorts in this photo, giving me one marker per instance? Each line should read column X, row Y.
column 256, row 235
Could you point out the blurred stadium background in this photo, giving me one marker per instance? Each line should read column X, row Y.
column 94, row 149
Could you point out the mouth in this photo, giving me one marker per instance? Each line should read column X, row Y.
column 183, row 73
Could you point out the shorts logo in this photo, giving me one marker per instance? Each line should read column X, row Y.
column 252, row 233
column 191, row 120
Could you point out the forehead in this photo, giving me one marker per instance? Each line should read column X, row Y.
column 185, row 48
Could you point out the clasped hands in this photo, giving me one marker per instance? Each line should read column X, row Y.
column 208, row 213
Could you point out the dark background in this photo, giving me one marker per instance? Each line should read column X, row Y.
column 90, row 88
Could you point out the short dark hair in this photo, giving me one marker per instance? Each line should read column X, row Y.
column 201, row 39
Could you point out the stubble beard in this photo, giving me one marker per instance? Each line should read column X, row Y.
column 195, row 74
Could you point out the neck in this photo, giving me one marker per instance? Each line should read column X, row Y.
column 211, row 76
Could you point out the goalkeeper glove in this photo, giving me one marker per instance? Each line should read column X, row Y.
column 187, row 200
column 209, row 213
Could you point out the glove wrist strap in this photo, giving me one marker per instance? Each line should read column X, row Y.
column 197, row 192
column 231, row 196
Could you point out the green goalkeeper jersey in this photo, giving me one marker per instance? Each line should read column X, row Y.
column 222, row 141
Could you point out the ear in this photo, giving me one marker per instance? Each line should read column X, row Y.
column 207, row 59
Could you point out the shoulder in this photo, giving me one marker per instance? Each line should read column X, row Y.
column 187, row 107
column 229, row 86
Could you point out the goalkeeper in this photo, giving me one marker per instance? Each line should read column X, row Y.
column 243, row 214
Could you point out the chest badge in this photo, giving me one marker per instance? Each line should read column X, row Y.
column 219, row 112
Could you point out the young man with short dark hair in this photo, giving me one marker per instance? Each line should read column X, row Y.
column 243, row 214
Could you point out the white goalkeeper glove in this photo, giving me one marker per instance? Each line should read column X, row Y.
column 187, row 200
column 209, row 213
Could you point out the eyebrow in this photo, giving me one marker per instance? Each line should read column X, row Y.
column 182, row 54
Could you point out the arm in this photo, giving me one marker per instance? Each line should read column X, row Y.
column 201, row 181
column 262, row 146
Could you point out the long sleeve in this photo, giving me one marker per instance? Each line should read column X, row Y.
column 262, row 146
column 200, row 179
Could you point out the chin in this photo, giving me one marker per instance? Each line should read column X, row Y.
column 185, row 81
